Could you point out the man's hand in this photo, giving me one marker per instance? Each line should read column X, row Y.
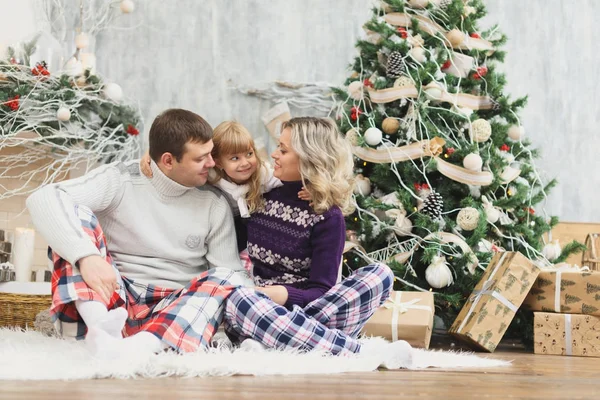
column 278, row 294
column 99, row 275
column 145, row 165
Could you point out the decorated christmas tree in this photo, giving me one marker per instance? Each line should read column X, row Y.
column 445, row 174
column 56, row 114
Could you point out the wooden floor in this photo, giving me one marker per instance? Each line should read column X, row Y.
column 530, row 377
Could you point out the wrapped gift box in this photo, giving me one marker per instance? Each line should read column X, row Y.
column 488, row 312
column 404, row 316
column 566, row 334
column 565, row 290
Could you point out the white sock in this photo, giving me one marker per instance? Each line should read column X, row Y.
column 95, row 314
column 392, row 355
column 113, row 322
column 91, row 311
column 252, row 345
column 105, row 346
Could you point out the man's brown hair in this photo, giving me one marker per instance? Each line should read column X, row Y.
column 175, row 127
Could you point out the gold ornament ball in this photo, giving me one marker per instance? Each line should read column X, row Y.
column 390, row 125
column 403, row 81
column 352, row 137
column 455, row 37
column 481, row 130
column 468, row 218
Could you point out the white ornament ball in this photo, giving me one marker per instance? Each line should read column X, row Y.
column 552, row 250
column 475, row 191
column 468, row 218
column 113, row 92
column 362, row 186
column 418, row 3
column 352, row 137
column 473, row 162
column 373, row 136
column 418, row 54
column 438, row 274
column 63, row 114
column 435, row 91
column 355, row 90
column 391, row 199
column 516, row 132
column 481, row 130
column 492, row 214
column 73, row 67
column 82, row 40
column 127, row 6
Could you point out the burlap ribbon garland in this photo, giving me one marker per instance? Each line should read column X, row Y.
column 458, row 99
column 425, row 148
column 443, row 237
column 432, row 28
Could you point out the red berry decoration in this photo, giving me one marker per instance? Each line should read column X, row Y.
column 132, row 131
column 13, row 103
column 480, row 72
column 504, row 147
column 450, row 151
column 354, row 113
column 367, row 83
column 403, row 32
column 447, row 64
column 40, row 69
column 475, row 35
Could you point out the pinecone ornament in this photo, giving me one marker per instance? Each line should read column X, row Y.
column 495, row 105
column 395, row 65
column 433, row 205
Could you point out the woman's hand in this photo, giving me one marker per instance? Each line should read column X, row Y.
column 278, row 294
column 145, row 165
column 304, row 195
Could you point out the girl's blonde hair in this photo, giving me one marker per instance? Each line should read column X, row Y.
column 231, row 137
column 326, row 162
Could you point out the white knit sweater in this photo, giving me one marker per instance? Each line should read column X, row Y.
column 158, row 231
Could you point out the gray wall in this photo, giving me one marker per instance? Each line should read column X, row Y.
column 188, row 53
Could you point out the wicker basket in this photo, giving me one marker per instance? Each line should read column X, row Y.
column 20, row 310
column 591, row 256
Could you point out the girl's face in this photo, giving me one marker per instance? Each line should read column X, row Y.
column 239, row 167
column 287, row 162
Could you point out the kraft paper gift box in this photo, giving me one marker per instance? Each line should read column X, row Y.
column 566, row 334
column 566, row 289
column 404, row 316
column 488, row 312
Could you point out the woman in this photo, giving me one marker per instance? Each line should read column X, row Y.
column 296, row 248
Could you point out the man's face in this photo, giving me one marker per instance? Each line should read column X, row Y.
column 192, row 169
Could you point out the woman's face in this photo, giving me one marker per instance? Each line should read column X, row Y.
column 287, row 162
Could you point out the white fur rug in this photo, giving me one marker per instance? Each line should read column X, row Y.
column 31, row 356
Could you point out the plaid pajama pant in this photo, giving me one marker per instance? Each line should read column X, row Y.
column 185, row 319
column 330, row 323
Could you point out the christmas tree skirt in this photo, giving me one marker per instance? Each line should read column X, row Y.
column 30, row 355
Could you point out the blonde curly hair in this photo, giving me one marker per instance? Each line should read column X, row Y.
column 326, row 162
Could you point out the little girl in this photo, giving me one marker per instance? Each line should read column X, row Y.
column 239, row 172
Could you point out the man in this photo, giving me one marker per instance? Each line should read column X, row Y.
column 151, row 257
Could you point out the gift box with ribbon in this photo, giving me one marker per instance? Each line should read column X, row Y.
column 404, row 316
column 566, row 334
column 566, row 289
column 488, row 312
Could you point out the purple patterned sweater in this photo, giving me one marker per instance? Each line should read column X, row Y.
column 291, row 245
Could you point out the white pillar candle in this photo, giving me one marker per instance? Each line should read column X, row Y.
column 22, row 253
column 88, row 61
